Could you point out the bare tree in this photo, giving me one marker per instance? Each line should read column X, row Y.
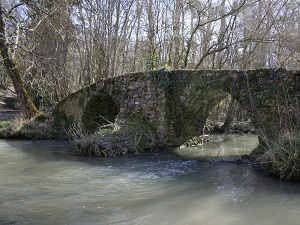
column 61, row 46
column 9, row 22
column 49, row 37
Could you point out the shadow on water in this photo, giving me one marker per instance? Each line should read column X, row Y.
column 212, row 152
column 219, row 146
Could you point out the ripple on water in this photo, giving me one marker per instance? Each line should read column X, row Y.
column 38, row 186
column 164, row 169
column 235, row 183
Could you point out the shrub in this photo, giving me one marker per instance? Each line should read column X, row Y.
column 114, row 139
column 282, row 158
column 5, row 124
column 40, row 127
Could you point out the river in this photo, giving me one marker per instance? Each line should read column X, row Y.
column 42, row 182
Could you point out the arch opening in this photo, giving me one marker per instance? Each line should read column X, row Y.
column 228, row 116
column 99, row 111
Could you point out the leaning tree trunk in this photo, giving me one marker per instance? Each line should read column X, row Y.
column 14, row 73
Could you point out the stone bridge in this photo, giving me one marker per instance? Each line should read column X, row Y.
column 177, row 103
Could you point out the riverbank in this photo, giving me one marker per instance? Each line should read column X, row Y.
column 14, row 126
column 112, row 140
column 280, row 158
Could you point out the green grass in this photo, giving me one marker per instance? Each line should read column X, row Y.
column 5, row 124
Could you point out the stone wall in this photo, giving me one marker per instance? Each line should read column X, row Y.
column 177, row 103
column 135, row 96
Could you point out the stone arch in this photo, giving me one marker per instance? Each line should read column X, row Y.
column 192, row 115
column 229, row 114
column 191, row 103
column 188, row 117
column 100, row 109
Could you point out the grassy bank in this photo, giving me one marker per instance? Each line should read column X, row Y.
column 281, row 157
column 41, row 127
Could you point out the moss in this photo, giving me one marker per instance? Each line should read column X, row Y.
column 81, row 100
column 190, row 95
column 62, row 122
column 5, row 124
column 42, row 117
column 173, row 83
column 190, row 119
column 170, row 81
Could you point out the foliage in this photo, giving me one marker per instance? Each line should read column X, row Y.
column 282, row 157
column 276, row 118
column 76, row 131
column 61, row 46
column 41, row 127
column 170, row 82
column 114, row 139
column 4, row 124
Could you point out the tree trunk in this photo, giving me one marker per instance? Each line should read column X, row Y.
column 14, row 73
column 151, row 38
column 176, row 34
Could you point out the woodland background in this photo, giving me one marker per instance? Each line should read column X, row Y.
column 63, row 45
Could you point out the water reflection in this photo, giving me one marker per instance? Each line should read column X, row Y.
column 221, row 146
column 41, row 184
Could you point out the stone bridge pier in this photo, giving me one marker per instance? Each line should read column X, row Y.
column 177, row 103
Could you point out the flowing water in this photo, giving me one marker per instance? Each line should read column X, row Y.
column 43, row 183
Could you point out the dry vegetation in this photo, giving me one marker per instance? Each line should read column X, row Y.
column 282, row 157
column 114, row 139
column 41, row 127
